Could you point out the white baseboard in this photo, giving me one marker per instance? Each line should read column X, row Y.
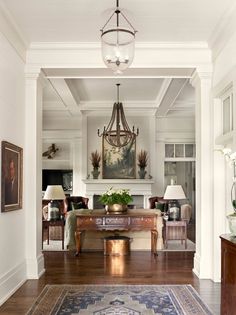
column 11, row 281
column 35, row 267
column 196, row 265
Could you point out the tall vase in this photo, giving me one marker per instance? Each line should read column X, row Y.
column 95, row 173
column 142, row 172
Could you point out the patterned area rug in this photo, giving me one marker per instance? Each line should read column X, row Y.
column 119, row 300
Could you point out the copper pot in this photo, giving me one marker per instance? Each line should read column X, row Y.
column 116, row 245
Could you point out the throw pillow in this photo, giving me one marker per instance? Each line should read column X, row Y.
column 77, row 205
column 160, row 206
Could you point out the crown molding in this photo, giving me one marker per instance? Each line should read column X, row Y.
column 132, row 108
column 12, row 33
column 176, row 136
column 97, row 45
column 223, row 31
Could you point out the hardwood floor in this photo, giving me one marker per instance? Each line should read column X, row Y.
column 94, row 268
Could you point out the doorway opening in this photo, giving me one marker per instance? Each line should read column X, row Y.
column 183, row 173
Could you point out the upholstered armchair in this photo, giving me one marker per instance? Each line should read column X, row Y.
column 161, row 203
column 75, row 202
column 186, row 212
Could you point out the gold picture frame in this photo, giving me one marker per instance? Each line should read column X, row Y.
column 11, row 188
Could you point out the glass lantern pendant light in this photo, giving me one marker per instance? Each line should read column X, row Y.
column 117, row 133
column 118, row 42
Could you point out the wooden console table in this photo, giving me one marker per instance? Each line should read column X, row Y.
column 132, row 220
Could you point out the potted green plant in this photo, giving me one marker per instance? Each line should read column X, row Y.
column 95, row 159
column 142, row 163
column 116, row 200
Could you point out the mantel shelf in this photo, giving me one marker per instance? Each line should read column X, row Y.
column 119, row 181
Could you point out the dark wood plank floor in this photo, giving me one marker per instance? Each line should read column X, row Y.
column 94, row 268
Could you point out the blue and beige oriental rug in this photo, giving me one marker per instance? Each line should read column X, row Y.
column 119, row 300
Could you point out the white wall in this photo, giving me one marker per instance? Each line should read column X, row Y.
column 224, row 75
column 225, row 60
column 12, row 224
column 62, row 158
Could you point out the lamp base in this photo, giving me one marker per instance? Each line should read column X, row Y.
column 174, row 211
column 53, row 211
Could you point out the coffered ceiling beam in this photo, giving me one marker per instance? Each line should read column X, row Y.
column 171, row 93
column 64, row 92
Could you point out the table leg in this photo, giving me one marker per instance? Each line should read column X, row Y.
column 166, row 238
column 42, row 234
column 62, row 231
column 78, row 242
column 48, row 233
column 185, row 232
column 154, row 241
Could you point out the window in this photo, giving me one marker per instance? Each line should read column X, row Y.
column 169, row 150
column 180, row 150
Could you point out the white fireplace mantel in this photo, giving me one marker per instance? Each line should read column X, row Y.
column 136, row 186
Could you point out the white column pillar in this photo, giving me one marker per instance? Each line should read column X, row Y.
column 219, row 193
column 33, row 174
column 84, row 152
column 160, row 172
column 77, row 161
column 204, row 161
column 152, row 153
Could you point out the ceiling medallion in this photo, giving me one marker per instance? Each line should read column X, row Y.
column 117, row 133
column 118, row 42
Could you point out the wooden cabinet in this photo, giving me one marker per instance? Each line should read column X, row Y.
column 228, row 275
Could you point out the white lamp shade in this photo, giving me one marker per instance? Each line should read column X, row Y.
column 174, row 192
column 54, row 192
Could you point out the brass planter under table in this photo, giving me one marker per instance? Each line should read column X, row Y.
column 116, row 245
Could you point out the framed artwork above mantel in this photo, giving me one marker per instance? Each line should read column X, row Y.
column 118, row 163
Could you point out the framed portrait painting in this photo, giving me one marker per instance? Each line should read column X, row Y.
column 118, row 162
column 11, row 188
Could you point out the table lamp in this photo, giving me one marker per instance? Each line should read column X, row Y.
column 174, row 193
column 54, row 192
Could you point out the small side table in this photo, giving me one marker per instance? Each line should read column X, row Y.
column 46, row 225
column 175, row 230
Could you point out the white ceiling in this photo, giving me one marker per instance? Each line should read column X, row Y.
column 76, row 90
column 81, row 20
column 163, row 97
column 106, row 90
